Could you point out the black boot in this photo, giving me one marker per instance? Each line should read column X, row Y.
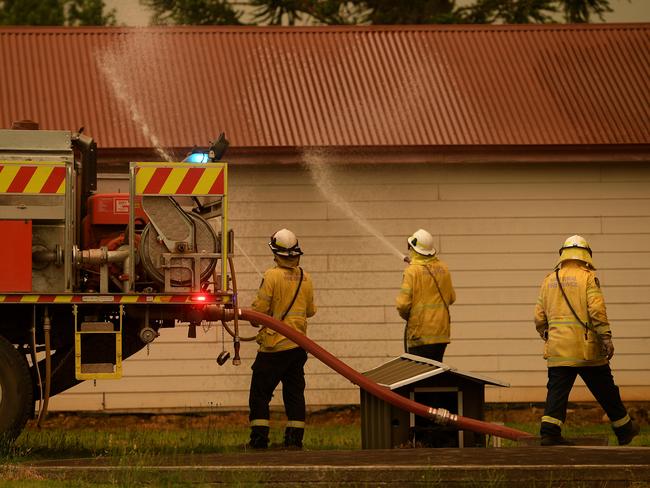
column 293, row 437
column 555, row 440
column 259, row 437
column 627, row 432
column 552, row 435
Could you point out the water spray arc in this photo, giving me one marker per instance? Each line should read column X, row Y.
column 249, row 259
column 114, row 64
column 321, row 175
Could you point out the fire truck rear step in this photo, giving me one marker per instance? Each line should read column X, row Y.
column 84, row 332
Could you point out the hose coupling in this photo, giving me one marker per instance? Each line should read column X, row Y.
column 214, row 313
column 442, row 416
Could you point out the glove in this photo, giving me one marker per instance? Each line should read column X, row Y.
column 544, row 335
column 607, row 346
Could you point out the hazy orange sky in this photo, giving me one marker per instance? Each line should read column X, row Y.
column 130, row 12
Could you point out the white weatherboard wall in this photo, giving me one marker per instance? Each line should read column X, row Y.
column 497, row 226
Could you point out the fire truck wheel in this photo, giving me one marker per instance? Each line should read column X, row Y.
column 16, row 396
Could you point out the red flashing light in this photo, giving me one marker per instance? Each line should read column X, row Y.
column 199, row 298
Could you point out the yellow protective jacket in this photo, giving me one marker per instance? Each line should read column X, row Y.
column 274, row 296
column 420, row 303
column 567, row 341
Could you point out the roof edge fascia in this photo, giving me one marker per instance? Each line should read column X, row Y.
column 475, row 154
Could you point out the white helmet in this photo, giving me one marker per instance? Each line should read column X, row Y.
column 576, row 247
column 422, row 243
column 285, row 243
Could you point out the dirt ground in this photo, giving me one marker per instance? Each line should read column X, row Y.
column 578, row 415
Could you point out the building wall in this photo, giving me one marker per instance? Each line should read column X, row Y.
column 498, row 227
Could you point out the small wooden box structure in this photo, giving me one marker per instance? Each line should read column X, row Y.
column 428, row 382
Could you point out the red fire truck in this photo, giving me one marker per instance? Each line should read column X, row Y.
column 88, row 279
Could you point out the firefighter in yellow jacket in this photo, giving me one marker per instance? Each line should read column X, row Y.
column 571, row 318
column 424, row 299
column 286, row 294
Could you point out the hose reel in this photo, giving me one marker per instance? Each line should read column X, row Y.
column 173, row 243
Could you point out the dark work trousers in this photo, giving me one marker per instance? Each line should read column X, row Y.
column 429, row 351
column 598, row 379
column 269, row 370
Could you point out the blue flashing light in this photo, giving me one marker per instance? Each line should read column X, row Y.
column 197, row 157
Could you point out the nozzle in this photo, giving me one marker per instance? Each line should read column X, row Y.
column 236, row 360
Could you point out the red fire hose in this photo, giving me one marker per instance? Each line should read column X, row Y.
column 439, row 415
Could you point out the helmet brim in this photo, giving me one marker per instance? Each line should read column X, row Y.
column 287, row 253
column 575, row 253
column 420, row 250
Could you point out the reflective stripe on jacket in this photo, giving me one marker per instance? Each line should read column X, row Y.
column 420, row 303
column 569, row 343
column 274, row 297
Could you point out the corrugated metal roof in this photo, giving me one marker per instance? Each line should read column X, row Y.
column 408, row 368
column 333, row 86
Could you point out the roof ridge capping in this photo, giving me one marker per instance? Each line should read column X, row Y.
column 328, row 28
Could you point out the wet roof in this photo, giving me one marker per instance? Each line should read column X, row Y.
column 408, row 368
column 339, row 87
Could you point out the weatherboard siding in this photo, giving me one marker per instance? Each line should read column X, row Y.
column 498, row 227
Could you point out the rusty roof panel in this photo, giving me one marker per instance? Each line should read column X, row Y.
column 333, row 86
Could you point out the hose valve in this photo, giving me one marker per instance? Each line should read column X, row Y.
column 148, row 334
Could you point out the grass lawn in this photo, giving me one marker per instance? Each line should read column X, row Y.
column 138, row 441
